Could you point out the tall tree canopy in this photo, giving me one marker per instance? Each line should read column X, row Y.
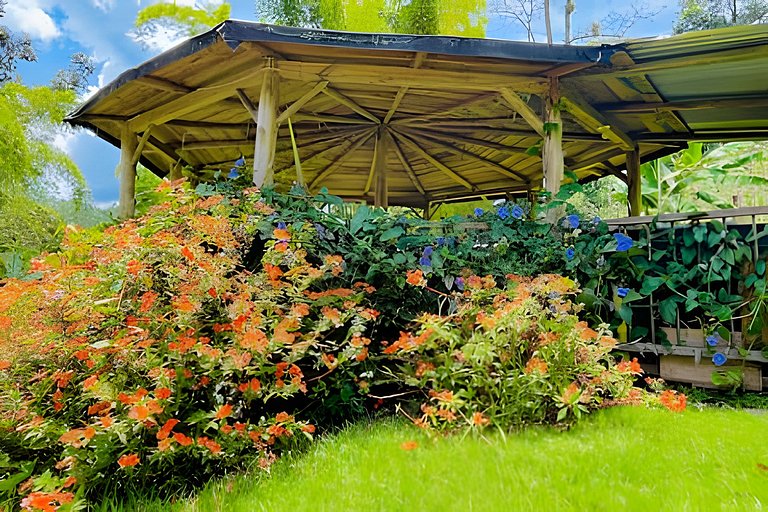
column 456, row 17
column 13, row 47
column 708, row 14
column 164, row 22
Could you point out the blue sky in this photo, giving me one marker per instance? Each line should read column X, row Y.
column 101, row 28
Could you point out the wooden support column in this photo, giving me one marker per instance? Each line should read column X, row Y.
column 381, row 199
column 635, row 193
column 266, row 129
column 552, row 149
column 126, row 172
column 175, row 173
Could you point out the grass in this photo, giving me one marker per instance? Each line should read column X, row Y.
column 619, row 459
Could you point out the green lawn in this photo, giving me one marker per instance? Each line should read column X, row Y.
column 619, row 459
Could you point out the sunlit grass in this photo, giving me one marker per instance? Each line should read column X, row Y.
column 620, row 459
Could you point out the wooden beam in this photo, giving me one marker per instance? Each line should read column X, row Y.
column 522, row 108
column 296, row 105
column 164, row 84
column 126, row 172
column 266, row 127
column 333, row 93
column 195, row 100
column 324, row 118
column 489, row 164
column 212, row 144
column 372, row 171
column 417, row 62
column 248, row 104
column 340, row 160
column 346, row 142
column 296, row 158
column 463, row 104
column 407, row 166
column 593, row 121
column 635, row 193
column 744, row 101
column 454, row 137
column 381, row 199
column 432, row 160
column 552, row 149
column 140, row 147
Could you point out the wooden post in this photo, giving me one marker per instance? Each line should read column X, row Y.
column 126, row 172
column 381, row 199
column 635, row 193
column 552, row 150
column 266, row 129
column 175, row 173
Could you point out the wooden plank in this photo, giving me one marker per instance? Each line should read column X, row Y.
column 727, row 213
column 296, row 105
column 192, row 101
column 685, row 369
column 350, row 104
column 164, row 84
column 743, row 101
column 593, row 121
column 489, row 164
column 126, row 171
column 347, row 139
column 266, row 128
column 140, row 147
column 522, row 108
column 248, row 104
column 395, row 104
column 457, row 138
column 325, row 118
column 432, row 160
column 345, row 154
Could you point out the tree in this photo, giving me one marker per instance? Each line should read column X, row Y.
column 13, row 48
column 463, row 17
column 709, row 14
column 171, row 21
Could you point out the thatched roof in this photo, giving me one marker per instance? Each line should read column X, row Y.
column 463, row 114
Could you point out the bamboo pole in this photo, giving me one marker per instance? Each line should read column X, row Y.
column 126, row 172
column 266, row 129
column 635, row 193
column 296, row 159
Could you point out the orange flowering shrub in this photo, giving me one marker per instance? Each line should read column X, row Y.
column 513, row 356
column 151, row 353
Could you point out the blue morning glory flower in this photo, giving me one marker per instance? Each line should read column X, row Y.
column 503, row 212
column 570, row 253
column 623, row 242
column 425, row 261
column 479, row 212
column 428, row 251
column 233, row 173
column 459, row 282
column 440, row 241
column 713, row 339
column 240, row 161
column 597, row 220
column 719, row 359
column 573, row 220
column 622, row 292
column 281, row 225
column 517, row 212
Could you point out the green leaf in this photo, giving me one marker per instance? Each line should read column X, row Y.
column 562, row 414
column 760, row 267
column 699, row 232
column 625, row 312
column 668, row 310
column 728, row 256
column 361, row 215
column 391, row 233
column 632, row 296
column 688, row 238
column 399, row 258
column 13, row 263
column 688, row 254
column 713, row 239
column 651, row 284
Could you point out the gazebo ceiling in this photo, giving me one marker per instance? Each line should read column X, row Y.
column 459, row 117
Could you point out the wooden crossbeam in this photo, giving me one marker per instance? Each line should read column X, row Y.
column 466, row 103
column 164, row 84
column 407, row 166
column 212, row 144
column 325, row 118
column 489, row 164
column 593, row 121
column 140, row 146
column 296, row 105
column 343, row 146
column 372, row 171
column 417, row 62
column 746, row 101
column 522, row 108
column 345, row 153
column 195, row 100
column 252, row 109
column 455, row 137
column 333, row 93
column 432, row 160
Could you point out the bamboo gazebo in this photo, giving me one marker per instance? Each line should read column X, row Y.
column 417, row 120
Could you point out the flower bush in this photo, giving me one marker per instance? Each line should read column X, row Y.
column 227, row 324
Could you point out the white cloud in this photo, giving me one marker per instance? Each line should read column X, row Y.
column 104, row 5
column 33, row 20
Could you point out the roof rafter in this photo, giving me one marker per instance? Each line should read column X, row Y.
column 348, row 140
column 347, row 102
column 346, row 153
column 417, row 62
column 593, row 121
column 432, row 160
column 299, row 103
column 526, row 112
column 408, row 169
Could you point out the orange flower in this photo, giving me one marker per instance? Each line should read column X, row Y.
column 182, row 439
column 4, row 365
column 224, row 411
column 138, row 412
column 46, row 501
column 480, row 420
column 162, row 393
column 536, row 365
column 187, row 254
column 164, row 444
column 90, row 381
column 253, row 385
column 89, row 432
column 630, row 366
column 128, row 460
column 212, row 445
column 283, row 417
column 409, row 445
column 73, row 437
column 308, row 428
column 273, row 271
column 673, row 400
column 99, row 408
column 147, row 300
column 5, row 322
column 255, row 340
column 571, row 393
column 106, row 421
column 416, row 278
